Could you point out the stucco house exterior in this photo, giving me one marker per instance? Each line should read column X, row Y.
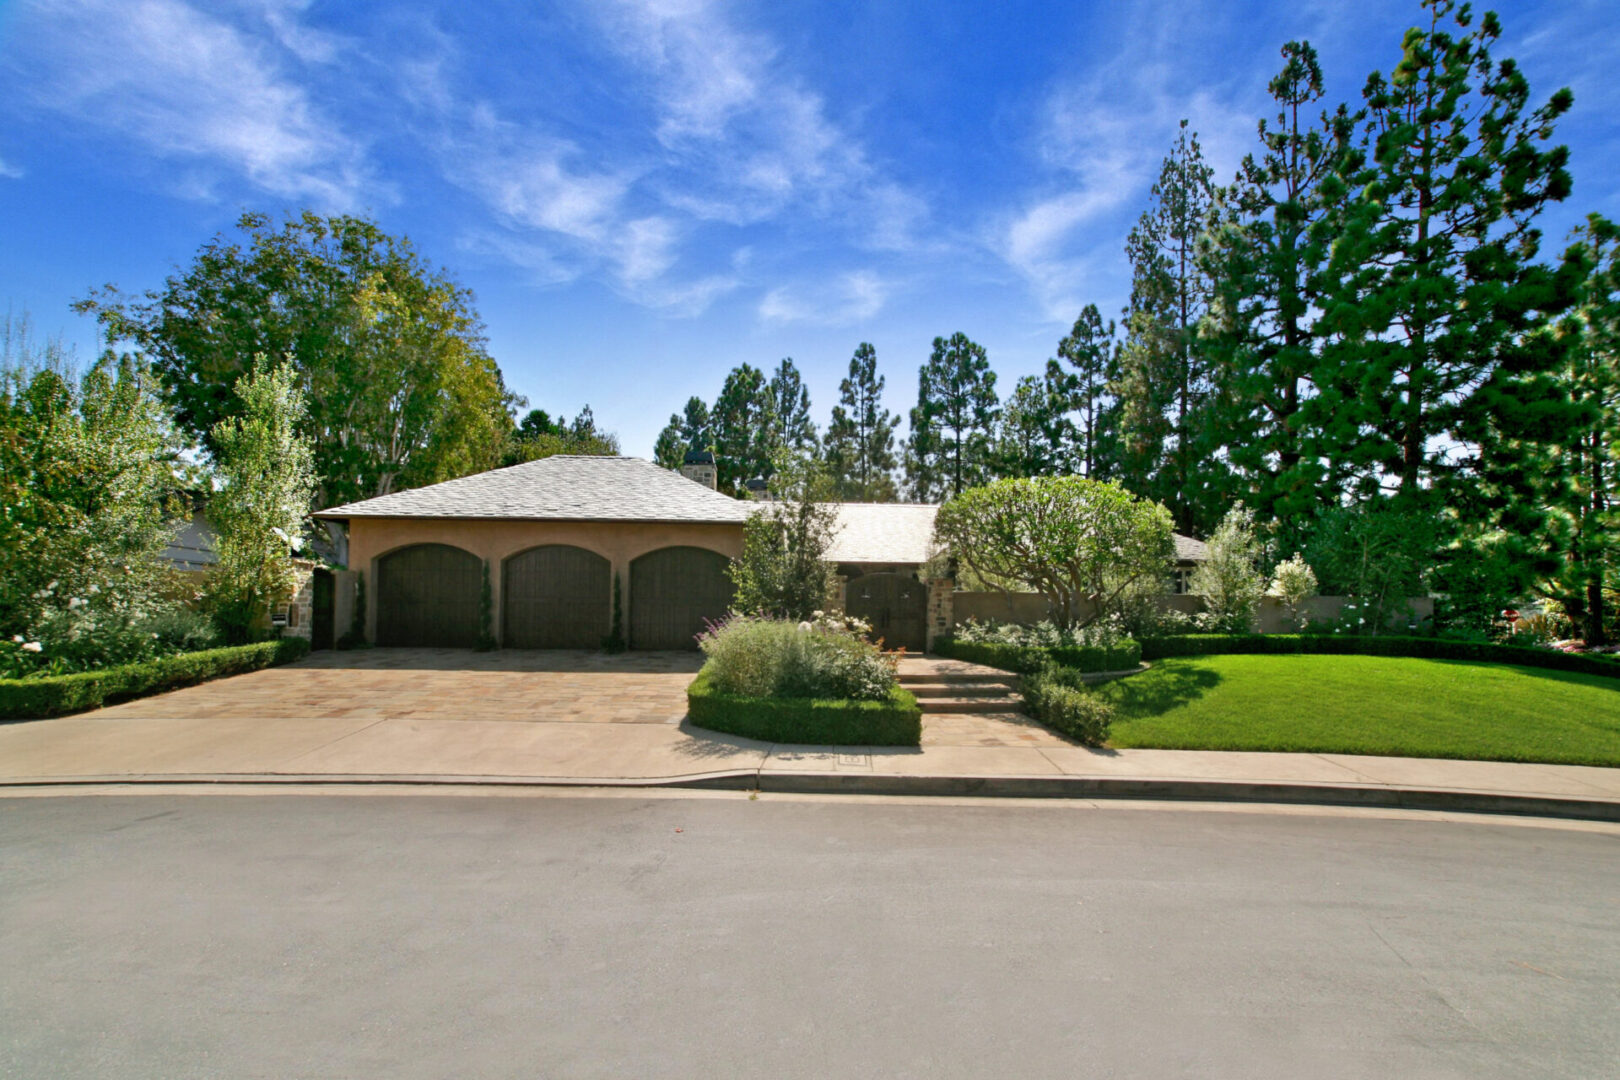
column 560, row 538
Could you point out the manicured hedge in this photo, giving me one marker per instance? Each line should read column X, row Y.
column 29, row 699
column 1029, row 658
column 1419, row 647
column 895, row 722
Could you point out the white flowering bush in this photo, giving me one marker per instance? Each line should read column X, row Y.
column 1046, row 634
column 778, row 658
column 1228, row 580
column 1292, row 583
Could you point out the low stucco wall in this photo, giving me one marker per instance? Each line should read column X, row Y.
column 620, row 542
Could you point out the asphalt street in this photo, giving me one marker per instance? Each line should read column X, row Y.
column 569, row 936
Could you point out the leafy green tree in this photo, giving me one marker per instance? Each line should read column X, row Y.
column 669, row 450
column 1229, row 580
column 1165, row 377
column 791, row 428
column 1433, row 274
column 1079, row 542
column 741, row 425
column 1036, row 436
column 1278, row 225
column 859, row 448
column 1092, row 352
column 268, row 470
column 953, row 423
column 390, row 353
column 1379, row 553
column 88, row 468
column 539, row 436
column 783, row 571
column 1577, row 474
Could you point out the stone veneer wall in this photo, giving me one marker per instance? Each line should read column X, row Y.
column 300, row 609
column 941, row 607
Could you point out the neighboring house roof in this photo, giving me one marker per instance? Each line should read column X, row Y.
column 1190, row 550
column 565, row 487
column 192, row 547
column 883, row 533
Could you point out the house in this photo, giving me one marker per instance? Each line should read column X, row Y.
column 567, row 547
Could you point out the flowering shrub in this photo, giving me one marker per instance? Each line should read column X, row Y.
column 773, row 658
column 1103, row 634
column 1293, row 582
column 87, row 634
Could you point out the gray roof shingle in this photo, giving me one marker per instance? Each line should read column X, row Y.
column 564, row 487
column 883, row 533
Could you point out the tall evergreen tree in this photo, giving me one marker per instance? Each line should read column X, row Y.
column 669, row 449
column 1091, row 351
column 953, row 423
column 1433, row 274
column 1036, row 436
column 791, row 428
column 1276, row 231
column 741, row 423
column 1164, row 373
column 697, row 428
column 860, row 436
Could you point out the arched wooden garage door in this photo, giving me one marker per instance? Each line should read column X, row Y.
column 427, row 595
column 672, row 591
column 556, row 597
column 895, row 604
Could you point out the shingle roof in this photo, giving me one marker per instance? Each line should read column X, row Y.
column 883, row 533
column 904, row 533
column 561, row 488
column 1190, row 550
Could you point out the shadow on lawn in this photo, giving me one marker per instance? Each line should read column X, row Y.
column 1160, row 689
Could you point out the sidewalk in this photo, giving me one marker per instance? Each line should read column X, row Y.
column 97, row 748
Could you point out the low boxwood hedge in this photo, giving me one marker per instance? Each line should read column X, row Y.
column 895, row 722
column 31, row 699
column 1031, row 658
column 1419, row 647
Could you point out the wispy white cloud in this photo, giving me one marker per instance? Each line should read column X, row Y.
column 9, row 171
column 195, row 89
column 1099, row 142
column 851, row 298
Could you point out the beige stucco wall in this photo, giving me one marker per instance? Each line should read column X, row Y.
column 620, row 542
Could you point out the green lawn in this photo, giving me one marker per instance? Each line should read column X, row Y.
column 1369, row 705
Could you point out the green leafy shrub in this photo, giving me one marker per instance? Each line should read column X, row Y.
column 1229, row 580
column 1059, row 698
column 52, row 695
column 770, row 658
column 1424, row 648
column 895, row 720
column 1121, row 654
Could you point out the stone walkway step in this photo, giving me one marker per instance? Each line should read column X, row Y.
column 939, row 689
column 968, row 704
column 957, row 678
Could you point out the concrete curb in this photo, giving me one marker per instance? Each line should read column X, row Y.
column 1457, row 800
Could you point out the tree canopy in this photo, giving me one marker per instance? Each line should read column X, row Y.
column 389, row 351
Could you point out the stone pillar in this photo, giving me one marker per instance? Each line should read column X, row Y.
column 299, row 610
column 941, row 613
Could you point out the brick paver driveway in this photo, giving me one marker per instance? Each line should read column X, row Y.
column 444, row 684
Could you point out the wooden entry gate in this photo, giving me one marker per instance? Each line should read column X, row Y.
column 895, row 604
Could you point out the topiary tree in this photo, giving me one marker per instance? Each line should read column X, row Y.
column 1074, row 540
column 1229, row 581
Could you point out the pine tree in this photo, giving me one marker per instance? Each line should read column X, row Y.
column 1092, row 352
column 860, row 436
column 1433, row 273
column 741, row 426
column 669, row 450
column 1265, row 257
column 953, row 423
column 1164, row 373
column 697, row 428
column 790, row 425
column 1036, row 436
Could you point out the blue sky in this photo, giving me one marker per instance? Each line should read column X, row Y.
column 645, row 194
